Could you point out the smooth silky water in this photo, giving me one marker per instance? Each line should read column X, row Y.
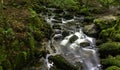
column 71, row 51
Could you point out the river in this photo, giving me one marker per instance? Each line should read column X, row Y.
column 69, row 40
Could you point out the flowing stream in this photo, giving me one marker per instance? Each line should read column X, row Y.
column 69, row 40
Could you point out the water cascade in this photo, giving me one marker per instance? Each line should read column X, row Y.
column 69, row 40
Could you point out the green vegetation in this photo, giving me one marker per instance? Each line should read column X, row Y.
column 64, row 4
column 23, row 31
column 108, row 3
column 109, row 48
column 109, row 26
column 111, row 36
column 21, row 35
column 62, row 63
column 111, row 62
column 113, row 68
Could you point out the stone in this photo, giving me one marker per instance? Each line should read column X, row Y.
column 91, row 30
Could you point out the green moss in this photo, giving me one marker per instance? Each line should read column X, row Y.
column 109, row 28
column 62, row 63
column 1, row 68
column 3, row 54
column 111, row 61
column 109, row 3
column 106, row 34
column 20, row 34
column 15, row 44
column 25, row 54
column 73, row 38
column 85, row 11
column 65, row 4
column 109, row 48
column 113, row 68
column 6, row 65
column 17, row 3
column 116, row 37
column 41, row 5
column 89, row 19
column 38, row 27
column 105, row 22
column 19, row 58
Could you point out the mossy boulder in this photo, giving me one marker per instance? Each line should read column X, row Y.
column 105, row 34
column 62, row 63
column 109, row 48
column 73, row 38
column 113, row 68
column 105, row 21
column 111, row 61
column 111, row 33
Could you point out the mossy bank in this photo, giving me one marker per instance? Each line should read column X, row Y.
column 22, row 33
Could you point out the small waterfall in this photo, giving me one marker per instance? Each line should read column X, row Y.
column 69, row 46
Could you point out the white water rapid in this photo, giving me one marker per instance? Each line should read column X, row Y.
column 70, row 45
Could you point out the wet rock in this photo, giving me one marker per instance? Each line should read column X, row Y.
column 58, row 17
column 84, row 44
column 56, row 26
column 79, row 18
column 62, row 63
column 91, row 30
column 58, row 36
column 73, row 38
column 65, row 33
column 57, row 31
column 68, row 16
column 56, row 21
column 58, row 11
